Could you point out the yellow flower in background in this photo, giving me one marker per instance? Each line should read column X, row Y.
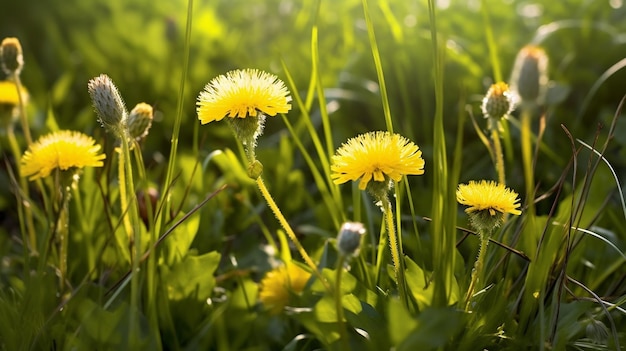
column 376, row 155
column 488, row 196
column 279, row 284
column 242, row 93
column 63, row 150
column 8, row 93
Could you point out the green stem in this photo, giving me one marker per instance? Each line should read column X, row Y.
column 396, row 250
column 283, row 222
column 343, row 333
column 23, row 199
column 526, row 136
column 131, row 222
column 122, row 156
column 478, row 268
column 62, row 232
column 497, row 150
column 23, row 117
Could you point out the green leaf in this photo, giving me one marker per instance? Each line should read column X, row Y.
column 435, row 328
column 179, row 241
column 401, row 323
column 192, row 277
column 421, row 290
column 326, row 310
column 348, row 281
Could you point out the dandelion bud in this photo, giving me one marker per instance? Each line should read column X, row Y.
column 11, row 56
column 529, row 79
column 140, row 121
column 147, row 203
column 349, row 239
column 255, row 169
column 108, row 104
column 498, row 102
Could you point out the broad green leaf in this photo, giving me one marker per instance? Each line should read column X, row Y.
column 400, row 321
column 192, row 277
column 435, row 328
column 348, row 281
column 179, row 241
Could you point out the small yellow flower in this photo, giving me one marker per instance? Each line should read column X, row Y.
column 242, row 93
column 376, row 155
column 63, row 150
column 8, row 93
column 279, row 284
column 488, row 195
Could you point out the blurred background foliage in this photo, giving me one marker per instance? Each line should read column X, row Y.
column 138, row 43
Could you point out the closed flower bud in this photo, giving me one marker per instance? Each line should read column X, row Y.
column 108, row 104
column 140, row 121
column 11, row 56
column 529, row 79
column 498, row 102
column 349, row 239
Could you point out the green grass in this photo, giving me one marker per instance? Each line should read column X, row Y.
column 191, row 281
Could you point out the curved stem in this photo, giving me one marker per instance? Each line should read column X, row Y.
column 396, row 250
column 343, row 333
column 283, row 222
column 478, row 267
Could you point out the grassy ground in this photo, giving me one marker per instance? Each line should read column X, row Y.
column 553, row 278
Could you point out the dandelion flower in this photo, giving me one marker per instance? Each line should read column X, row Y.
column 378, row 156
column 8, row 93
column 63, row 150
column 242, row 93
column 280, row 284
column 9, row 101
column 488, row 196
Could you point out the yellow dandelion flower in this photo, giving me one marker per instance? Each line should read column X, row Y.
column 378, row 156
column 488, row 195
column 242, row 93
column 63, row 150
column 279, row 284
column 8, row 93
